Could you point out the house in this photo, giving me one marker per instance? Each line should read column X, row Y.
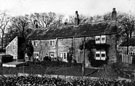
column 15, row 48
column 60, row 42
column 127, row 51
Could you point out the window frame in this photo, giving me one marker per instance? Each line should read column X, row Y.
column 52, row 43
column 50, row 54
column 103, row 41
column 97, row 39
column 63, row 55
column 100, row 55
column 97, row 58
column 103, row 58
column 100, row 40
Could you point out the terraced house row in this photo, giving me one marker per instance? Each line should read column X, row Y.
column 94, row 44
column 89, row 43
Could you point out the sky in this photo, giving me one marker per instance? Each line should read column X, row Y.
column 66, row 7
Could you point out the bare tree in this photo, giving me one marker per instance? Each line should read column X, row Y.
column 127, row 24
column 4, row 21
column 46, row 20
column 83, row 19
column 21, row 26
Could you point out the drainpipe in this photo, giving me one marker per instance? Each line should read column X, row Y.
column 57, row 47
column 83, row 63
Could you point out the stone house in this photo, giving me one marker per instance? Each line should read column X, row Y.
column 58, row 42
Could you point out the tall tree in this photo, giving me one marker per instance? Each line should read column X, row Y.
column 20, row 28
column 46, row 20
column 125, row 22
column 4, row 21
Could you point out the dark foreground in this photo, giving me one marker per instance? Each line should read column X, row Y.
column 59, row 68
column 107, row 76
column 45, row 81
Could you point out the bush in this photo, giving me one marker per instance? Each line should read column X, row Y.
column 47, row 58
column 2, row 50
column 7, row 58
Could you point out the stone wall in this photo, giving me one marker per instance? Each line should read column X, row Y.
column 63, row 45
column 111, row 40
column 12, row 48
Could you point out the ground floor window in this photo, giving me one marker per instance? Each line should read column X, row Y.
column 100, row 55
column 36, row 55
column 51, row 54
column 63, row 55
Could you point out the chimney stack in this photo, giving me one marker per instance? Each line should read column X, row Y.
column 36, row 24
column 77, row 20
column 114, row 14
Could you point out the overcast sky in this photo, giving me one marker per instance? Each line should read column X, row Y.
column 66, row 7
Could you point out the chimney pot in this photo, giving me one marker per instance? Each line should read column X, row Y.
column 77, row 20
column 114, row 14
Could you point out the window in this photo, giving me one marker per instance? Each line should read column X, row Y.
column 97, row 57
column 36, row 54
column 33, row 43
column 97, row 39
column 63, row 55
column 100, row 39
column 103, row 55
column 51, row 54
column 103, row 39
column 36, row 43
column 100, row 55
column 52, row 43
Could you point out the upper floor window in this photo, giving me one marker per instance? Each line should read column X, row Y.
column 103, row 39
column 100, row 39
column 35, row 43
column 52, row 43
column 97, row 39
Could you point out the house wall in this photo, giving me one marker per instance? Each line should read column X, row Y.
column 111, row 40
column 43, row 48
column 63, row 45
column 12, row 48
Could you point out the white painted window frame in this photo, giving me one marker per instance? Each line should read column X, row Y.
column 62, row 56
column 100, row 55
column 103, row 39
column 97, row 39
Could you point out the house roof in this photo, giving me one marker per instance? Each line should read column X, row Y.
column 70, row 31
column 131, row 42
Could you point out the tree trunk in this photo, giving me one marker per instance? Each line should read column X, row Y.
column 2, row 40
